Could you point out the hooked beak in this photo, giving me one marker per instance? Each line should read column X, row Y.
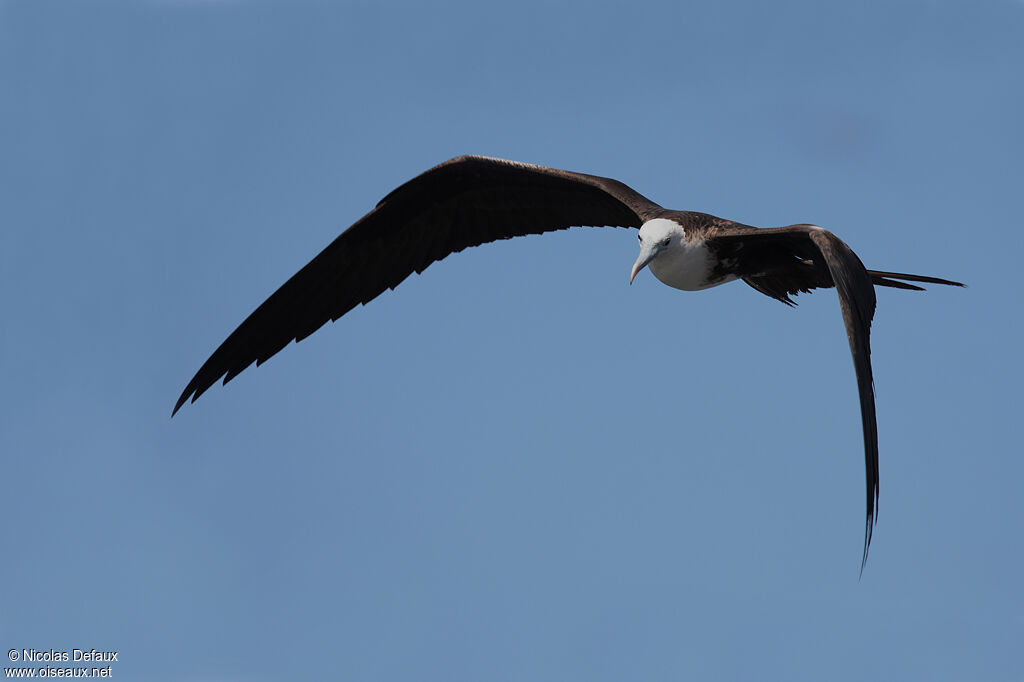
column 641, row 262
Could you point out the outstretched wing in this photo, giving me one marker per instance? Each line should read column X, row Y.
column 787, row 260
column 857, row 300
column 467, row 201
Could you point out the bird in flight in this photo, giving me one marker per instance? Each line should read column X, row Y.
column 473, row 200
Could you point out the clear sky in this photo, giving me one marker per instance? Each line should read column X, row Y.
column 515, row 466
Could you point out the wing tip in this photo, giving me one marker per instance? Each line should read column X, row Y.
column 189, row 395
column 181, row 401
column 195, row 389
column 868, row 533
column 869, row 526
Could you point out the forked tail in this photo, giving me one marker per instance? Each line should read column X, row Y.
column 889, row 279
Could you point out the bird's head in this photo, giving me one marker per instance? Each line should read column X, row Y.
column 655, row 236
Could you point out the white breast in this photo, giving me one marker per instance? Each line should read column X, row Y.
column 687, row 265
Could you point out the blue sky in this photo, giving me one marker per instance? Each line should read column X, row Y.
column 515, row 466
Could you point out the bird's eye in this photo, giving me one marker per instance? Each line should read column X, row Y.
column 641, row 238
column 665, row 241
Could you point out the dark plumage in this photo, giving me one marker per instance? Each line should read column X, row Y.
column 472, row 200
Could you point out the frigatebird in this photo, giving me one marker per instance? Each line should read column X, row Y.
column 473, row 200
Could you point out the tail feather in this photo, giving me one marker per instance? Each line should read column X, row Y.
column 886, row 279
column 882, row 281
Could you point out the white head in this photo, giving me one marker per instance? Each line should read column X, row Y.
column 655, row 237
